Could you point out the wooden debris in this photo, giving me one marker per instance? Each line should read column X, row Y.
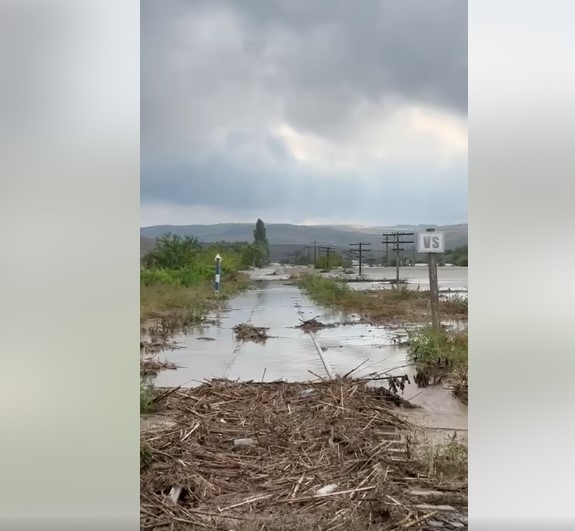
column 287, row 481
column 152, row 366
column 247, row 332
column 311, row 325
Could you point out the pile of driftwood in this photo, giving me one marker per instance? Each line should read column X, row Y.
column 247, row 332
column 152, row 366
column 280, row 456
column 310, row 325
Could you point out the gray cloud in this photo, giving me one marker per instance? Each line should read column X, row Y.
column 291, row 194
column 217, row 74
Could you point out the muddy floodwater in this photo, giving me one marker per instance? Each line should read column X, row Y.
column 293, row 355
column 450, row 279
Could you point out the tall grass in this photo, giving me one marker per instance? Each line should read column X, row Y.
column 445, row 461
column 323, row 290
column 457, row 305
column 147, row 395
column 428, row 347
column 146, row 455
column 187, row 305
column 440, row 356
column 398, row 303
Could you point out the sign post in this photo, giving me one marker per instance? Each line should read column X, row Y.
column 218, row 273
column 432, row 242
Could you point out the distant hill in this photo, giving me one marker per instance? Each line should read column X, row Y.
column 293, row 237
column 146, row 244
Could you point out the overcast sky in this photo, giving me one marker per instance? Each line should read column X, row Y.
column 299, row 111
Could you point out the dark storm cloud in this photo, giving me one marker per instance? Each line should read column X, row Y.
column 209, row 66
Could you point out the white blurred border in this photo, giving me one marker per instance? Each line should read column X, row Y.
column 69, row 193
column 522, row 312
column 69, row 225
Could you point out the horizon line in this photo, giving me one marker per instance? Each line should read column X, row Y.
column 308, row 224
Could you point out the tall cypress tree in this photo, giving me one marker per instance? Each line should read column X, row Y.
column 261, row 243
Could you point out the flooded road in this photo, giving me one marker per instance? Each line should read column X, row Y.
column 417, row 277
column 293, row 355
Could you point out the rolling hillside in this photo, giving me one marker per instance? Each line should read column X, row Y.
column 299, row 235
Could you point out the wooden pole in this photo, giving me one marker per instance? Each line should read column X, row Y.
column 397, row 260
column 433, row 289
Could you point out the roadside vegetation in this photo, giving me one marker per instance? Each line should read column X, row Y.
column 335, row 261
column 147, row 396
column 391, row 305
column 445, row 461
column 177, row 276
column 440, row 357
column 457, row 257
column 177, row 291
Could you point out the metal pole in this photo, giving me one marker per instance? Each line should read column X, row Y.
column 218, row 274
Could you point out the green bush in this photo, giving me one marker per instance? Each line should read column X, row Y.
column 147, row 395
column 335, row 260
column 440, row 356
column 183, row 262
column 428, row 347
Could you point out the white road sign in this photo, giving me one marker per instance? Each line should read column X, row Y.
column 431, row 242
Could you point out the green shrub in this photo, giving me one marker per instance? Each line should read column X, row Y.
column 436, row 348
column 147, row 395
column 146, row 456
column 437, row 355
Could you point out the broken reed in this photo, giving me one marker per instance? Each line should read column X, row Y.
column 314, row 455
column 446, row 461
column 248, row 332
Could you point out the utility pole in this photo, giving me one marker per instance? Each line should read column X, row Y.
column 386, row 250
column 314, row 252
column 327, row 250
column 398, row 241
column 360, row 251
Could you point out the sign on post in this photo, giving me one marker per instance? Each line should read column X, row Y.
column 218, row 273
column 431, row 242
